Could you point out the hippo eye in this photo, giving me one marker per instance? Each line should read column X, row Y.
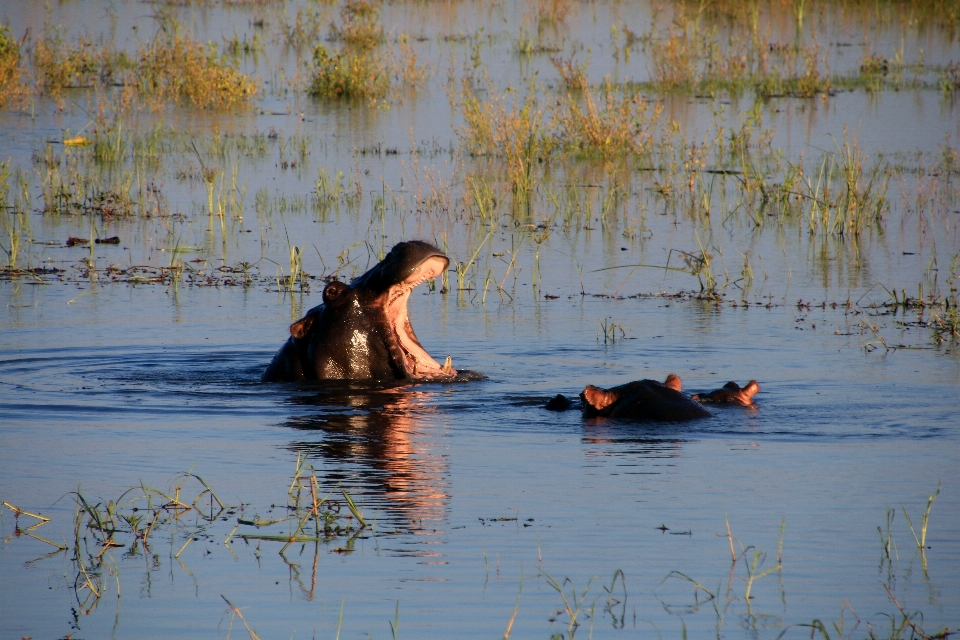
column 333, row 291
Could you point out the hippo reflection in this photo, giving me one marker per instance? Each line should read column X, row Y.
column 649, row 400
column 382, row 442
column 362, row 331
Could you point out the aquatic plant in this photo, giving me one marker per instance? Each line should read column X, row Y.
column 506, row 126
column 133, row 519
column 610, row 331
column 859, row 200
column 62, row 66
column 906, row 625
column 359, row 24
column 305, row 28
column 10, row 84
column 573, row 76
column 407, row 66
column 572, row 605
column 921, row 540
column 28, row 531
column 236, row 47
column 347, row 74
column 174, row 67
column 620, row 124
column 752, row 560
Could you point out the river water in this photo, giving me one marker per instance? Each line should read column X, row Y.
column 480, row 503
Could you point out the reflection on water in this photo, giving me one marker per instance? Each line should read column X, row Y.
column 377, row 430
column 114, row 374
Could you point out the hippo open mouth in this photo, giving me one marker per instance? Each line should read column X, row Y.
column 417, row 362
column 362, row 331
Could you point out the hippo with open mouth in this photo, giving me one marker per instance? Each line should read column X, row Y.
column 649, row 400
column 362, row 331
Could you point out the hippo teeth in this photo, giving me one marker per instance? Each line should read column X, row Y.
column 447, row 366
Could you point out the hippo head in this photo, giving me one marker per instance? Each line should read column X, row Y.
column 642, row 400
column 362, row 330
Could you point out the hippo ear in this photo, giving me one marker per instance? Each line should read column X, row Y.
column 732, row 386
column 598, row 398
column 333, row 293
column 673, row 381
column 301, row 327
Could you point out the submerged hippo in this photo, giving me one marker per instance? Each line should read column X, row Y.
column 731, row 392
column 649, row 400
column 362, row 331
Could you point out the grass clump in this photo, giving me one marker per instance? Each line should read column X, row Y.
column 61, row 66
column 359, row 25
column 9, row 66
column 847, row 193
column 613, row 125
column 348, row 74
column 506, row 128
column 175, row 67
column 692, row 57
column 356, row 71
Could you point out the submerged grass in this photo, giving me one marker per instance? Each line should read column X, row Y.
column 140, row 514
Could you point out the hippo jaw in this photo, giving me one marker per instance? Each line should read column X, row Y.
column 416, row 362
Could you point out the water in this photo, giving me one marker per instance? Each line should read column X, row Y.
column 477, row 496
column 146, row 399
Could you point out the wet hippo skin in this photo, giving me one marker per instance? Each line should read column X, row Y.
column 732, row 392
column 649, row 400
column 361, row 331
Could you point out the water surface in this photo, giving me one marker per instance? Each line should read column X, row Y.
column 114, row 373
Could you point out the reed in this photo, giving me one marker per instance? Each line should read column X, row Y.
column 572, row 603
column 610, row 332
column 921, row 540
column 509, row 127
